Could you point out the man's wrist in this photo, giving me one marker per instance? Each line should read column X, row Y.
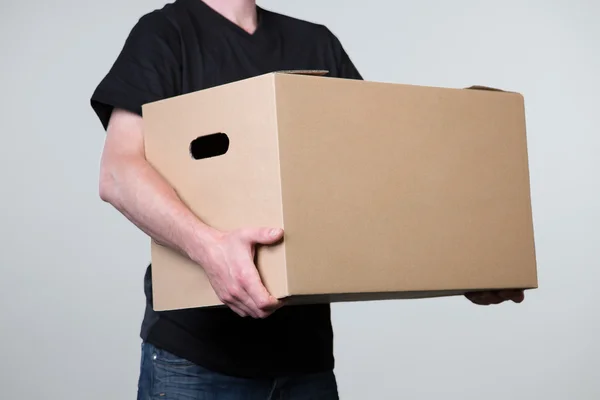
column 201, row 243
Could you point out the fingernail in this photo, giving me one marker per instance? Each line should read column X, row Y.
column 274, row 232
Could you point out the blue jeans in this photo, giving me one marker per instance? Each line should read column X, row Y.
column 165, row 376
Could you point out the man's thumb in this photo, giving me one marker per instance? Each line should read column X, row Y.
column 267, row 236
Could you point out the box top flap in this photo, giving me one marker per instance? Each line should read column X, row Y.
column 488, row 88
column 313, row 72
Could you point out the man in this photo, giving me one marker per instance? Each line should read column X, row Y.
column 254, row 348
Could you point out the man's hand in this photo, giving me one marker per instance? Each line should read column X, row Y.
column 233, row 275
column 496, row 297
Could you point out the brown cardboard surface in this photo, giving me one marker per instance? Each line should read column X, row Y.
column 384, row 190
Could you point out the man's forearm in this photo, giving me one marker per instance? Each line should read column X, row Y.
column 134, row 188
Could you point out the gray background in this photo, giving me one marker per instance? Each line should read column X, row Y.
column 71, row 282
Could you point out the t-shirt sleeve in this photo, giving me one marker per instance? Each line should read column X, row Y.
column 147, row 69
column 344, row 67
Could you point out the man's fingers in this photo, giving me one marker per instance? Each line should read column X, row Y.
column 238, row 300
column 496, row 297
column 476, row 298
column 516, row 296
column 262, row 301
column 519, row 298
column 247, row 293
column 244, row 292
column 234, row 304
column 238, row 311
column 484, row 298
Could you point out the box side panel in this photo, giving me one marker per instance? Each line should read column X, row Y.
column 237, row 189
column 526, row 200
column 391, row 188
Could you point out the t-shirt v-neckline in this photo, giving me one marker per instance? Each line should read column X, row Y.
column 226, row 23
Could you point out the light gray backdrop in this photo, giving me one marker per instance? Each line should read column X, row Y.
column 71, row 282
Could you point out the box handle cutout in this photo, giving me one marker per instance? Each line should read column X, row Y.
column 209, row 146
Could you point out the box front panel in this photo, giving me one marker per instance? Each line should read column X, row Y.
column 218, row 149
column 395, row 187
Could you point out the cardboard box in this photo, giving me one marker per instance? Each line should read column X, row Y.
column 384, row 190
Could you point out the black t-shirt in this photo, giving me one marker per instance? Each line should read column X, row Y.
column 184, row 47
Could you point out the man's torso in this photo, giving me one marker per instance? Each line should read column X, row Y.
column 202, row 49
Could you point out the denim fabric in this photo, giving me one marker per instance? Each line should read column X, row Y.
column 165, row 376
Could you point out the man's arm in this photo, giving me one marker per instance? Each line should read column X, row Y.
column 132, row 186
